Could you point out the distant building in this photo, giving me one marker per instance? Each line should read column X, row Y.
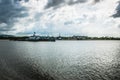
column 40, row 38
column 80, row 37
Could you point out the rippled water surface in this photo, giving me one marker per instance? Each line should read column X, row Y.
column 60, row 60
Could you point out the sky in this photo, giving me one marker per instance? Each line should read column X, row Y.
column 67, row 17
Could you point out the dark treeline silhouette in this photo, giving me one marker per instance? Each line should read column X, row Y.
column 11, row 37
column 86, row 38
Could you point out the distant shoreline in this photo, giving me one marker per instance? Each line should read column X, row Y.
column 69, row 38
column 73, row 40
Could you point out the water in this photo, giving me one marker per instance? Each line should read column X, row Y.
column 60, row 60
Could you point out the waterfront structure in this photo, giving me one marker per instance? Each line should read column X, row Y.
column 40, row 38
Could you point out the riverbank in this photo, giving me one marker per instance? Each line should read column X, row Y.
column 24, row 38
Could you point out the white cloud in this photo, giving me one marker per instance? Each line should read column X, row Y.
column 83, row 19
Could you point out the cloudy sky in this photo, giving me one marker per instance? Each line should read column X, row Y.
column 68, row 17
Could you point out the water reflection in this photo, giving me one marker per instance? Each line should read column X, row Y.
column 62, row 60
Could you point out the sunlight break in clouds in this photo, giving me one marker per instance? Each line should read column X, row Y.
column 69, row 17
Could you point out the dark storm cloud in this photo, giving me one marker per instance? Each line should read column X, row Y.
column 55, row 3
column 97, row 1
column 8, row 13
column 77, row 1
column 117, row 14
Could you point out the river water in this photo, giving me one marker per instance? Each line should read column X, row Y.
column 60, row 60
